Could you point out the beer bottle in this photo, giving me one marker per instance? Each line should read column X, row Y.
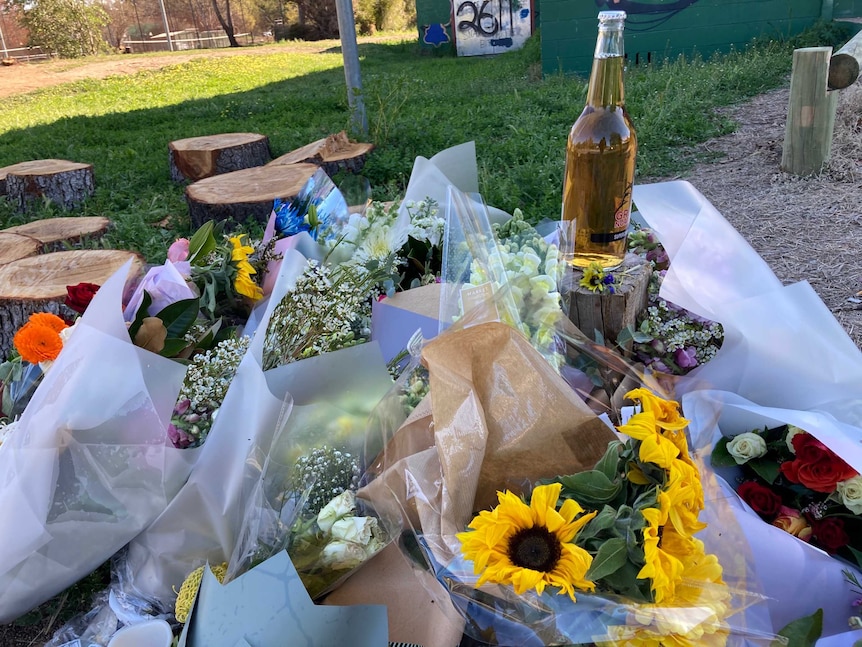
column 600, row 159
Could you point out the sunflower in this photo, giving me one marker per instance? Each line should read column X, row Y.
column 662, row 567
column 243, row 282
column 665, row 412
column 654, row 447
column 529, row 546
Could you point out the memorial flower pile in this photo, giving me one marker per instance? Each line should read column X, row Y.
column 796, row 483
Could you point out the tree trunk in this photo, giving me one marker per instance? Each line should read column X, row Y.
column 199, row 157
column 61, row 181
column 245, row 195
column 226, row 23
column 38, row 284
column 333, row 154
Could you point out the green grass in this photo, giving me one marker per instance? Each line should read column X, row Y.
column 416, row 105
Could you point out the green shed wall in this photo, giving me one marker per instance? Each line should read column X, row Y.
column 569, row 28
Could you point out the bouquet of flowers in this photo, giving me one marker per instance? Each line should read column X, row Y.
column 89, row 464
column 796, row 483
column 597, row 541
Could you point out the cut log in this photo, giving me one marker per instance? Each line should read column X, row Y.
column 15, row 246
column 333, row 154
column 245, row 195
column 197, row 158
column 53, row 233
column 38, row 284
column 607, row 313
column 844, row 64
column 66, row 183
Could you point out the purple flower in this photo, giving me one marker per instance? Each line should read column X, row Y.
column 179, row 438
column 685, row 357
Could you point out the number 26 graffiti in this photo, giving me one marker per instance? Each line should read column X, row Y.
column 482, row 22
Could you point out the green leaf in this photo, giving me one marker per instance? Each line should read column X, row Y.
column 767, row 470
column 720, row 456
column 179, row 316
column 602, row 521
column 857, row 555
column 609, row 465
column 173, row 346
column 610, row 558
column 590, row 488
column 803, row 632
column 141, row 314
column 202, row 243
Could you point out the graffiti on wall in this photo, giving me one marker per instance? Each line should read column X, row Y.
column 491, row 26
column 644, row 15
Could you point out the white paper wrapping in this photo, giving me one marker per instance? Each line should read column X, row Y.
column 90, row 464
column 785, row 359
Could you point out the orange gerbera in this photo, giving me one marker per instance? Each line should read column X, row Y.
column 36, row 343
column 52, row 321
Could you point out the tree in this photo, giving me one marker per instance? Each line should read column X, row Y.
column 67, row 28
column 226, row 21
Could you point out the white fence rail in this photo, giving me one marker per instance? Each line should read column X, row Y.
column 25, row 53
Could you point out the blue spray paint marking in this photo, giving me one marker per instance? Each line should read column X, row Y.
column 501, row 42
column 435, row 35
column 524, row 13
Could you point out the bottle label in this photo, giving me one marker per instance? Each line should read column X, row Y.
column 605, row 238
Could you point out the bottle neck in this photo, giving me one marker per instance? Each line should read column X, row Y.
column 606, row 78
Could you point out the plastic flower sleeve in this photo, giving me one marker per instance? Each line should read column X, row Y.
column 503, row 419
column 798, row 578
column 90, row 464
column 304, row 498
column 202, row 523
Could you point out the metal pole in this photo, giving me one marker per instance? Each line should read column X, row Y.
column 3, row 42
column 347, row 30
column 167, row 28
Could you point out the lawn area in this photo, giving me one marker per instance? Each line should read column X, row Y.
column 416, row 104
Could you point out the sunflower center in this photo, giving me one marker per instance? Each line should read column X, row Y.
column 536, row 548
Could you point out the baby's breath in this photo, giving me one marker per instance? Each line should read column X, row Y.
column 204, row 388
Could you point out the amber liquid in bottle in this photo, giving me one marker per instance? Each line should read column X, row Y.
column 600, row 167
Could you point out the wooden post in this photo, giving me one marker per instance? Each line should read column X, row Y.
column 844, row 64
column 606, row 313
column 811, row 114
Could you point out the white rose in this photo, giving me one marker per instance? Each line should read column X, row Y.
column 359, row 530
column 746, row 446
column 850, row 492
column 339, row 555
column 791, row 432
column 340, row 506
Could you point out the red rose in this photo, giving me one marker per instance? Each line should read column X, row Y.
column 762, row 500
column 815, row 466
column 829, row 534
column 78, row 297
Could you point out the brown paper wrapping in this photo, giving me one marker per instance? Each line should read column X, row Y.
column 419, row 608
column 502, row 418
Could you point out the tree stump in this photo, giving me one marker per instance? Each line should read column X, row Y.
column 333, row 154
column 54, row 233
column 199, row 157
column 607, row 313
column 38, row 284
column 66, row 183
column 245, row 195
column 15, row 246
